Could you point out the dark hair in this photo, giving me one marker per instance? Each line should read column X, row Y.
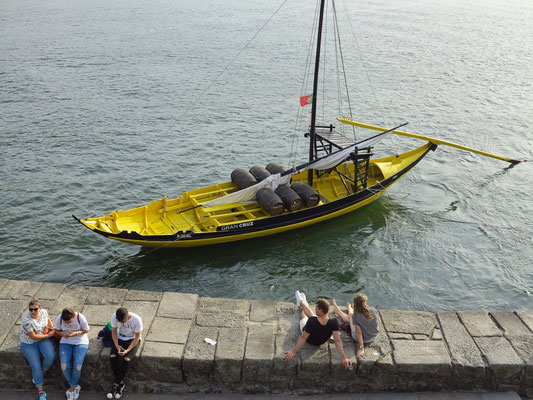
column 323, row 305
column 35, row 302
column 121, row 314
column 67, row 314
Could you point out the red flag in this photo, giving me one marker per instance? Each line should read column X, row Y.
column 306, row 100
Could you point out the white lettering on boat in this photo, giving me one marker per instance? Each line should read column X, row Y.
column 237, row 226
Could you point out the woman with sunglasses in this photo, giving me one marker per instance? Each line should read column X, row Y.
column 72, row 327
column 36, row 330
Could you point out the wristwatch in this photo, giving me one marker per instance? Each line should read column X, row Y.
column 361, row 347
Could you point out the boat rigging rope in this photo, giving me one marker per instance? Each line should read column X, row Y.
column 377, row 102
column 191, row 105
column 305, row 82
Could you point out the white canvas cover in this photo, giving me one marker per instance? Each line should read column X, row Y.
column 248, row 194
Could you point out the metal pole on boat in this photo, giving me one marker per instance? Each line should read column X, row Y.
column 315, row 91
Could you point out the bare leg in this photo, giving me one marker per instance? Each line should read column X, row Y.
column 306, row 310
column 339, row 312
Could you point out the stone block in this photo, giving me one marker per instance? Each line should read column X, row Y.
column 420, row 337
column 284, row 369
column 527, row 318
column 20, row 290
column 437, row 334
column 98, row 314
column 95, row 345
column 229, row 354
column 400, row 336
column 199, row 355
column 162, row 362
column 259, row 352
column 466, row 358
column 105, row 295
column 511, row 324
column 50, row 291
column 412, row 322
column 223, row 306
column 428, row 357
column 170, row 330
column 502, row 360
column 73, row 297
column 337, row 369
column 263, row 311
column 3, row 281
column 314, row 362
column 222, row 320
column 143, row 295
column 10, row 310
column 177, row 305
column 14, row 367
column 144, row 309
column 479, row 323
column 523, row 345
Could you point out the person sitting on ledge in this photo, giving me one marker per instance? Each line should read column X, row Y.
column 363, row 322
column 317, row 328
column 125, row 345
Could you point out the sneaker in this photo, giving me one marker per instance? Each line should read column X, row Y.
column 119, row 390
column 303, row 299
column 70, row 395
column 77, row 392
column 298, row 298
column 42, row 395
column 112, row 391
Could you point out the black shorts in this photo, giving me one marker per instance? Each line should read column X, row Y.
column 125, row 344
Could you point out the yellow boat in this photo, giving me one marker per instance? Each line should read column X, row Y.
column 342, row 173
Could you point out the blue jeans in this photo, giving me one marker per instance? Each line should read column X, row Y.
column 75, row 353
column 33, row 352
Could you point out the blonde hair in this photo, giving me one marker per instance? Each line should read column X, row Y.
column 360, row 307
column 35, row 302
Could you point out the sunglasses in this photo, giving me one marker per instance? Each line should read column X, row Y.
column 33, row 309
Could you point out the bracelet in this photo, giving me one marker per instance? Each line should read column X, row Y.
column 361, row 347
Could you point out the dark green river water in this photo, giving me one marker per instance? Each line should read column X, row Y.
column 109, row 105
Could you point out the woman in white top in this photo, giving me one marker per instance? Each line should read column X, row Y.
column 36, row 330
column 72, row 327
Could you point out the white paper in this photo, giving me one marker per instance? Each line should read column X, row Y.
column 210, row 341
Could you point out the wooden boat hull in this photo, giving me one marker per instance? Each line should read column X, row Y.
column 253, row 225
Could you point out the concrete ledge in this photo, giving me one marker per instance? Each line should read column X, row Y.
column 415, row 351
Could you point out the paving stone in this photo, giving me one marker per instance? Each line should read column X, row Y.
column 378, row 353
column 98, row 314
column 437, row 334
column 73, row 297
column 479, row 323
column 144, row 309
column 221, row 320
column 527, row 317
column 143, row 295
column 420, row 337
column 314, row 361
column 10, row 310
column 105, row 295
column 502, row 360
column 163, row 361
column 400, row 336
column 50, row 291
column 18, row 290
column 413, row 322
column 466, row 357
column 259, row 353
column 178, row 305
column 199, row 356
column 229, row 354
column 3, row 281
column 223, row 306
column 422, row 357
column 169, row 330
column 511, row 324
column 523, row 345
column 95, row 345
column 263, row 311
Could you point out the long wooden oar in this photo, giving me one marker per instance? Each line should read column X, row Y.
column 348, row 121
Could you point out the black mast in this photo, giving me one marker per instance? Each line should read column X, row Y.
column 315, row 90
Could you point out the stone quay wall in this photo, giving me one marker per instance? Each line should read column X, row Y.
column 415, row 350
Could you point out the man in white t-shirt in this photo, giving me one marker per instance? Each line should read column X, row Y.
column 125, row 344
